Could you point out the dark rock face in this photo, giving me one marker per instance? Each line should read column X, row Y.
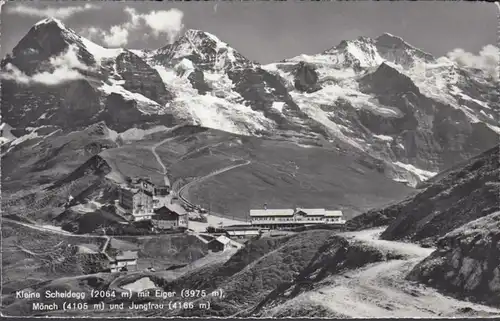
column 254, row 84
column 466, row 263
column 394, row 49
column 197, row 80
column 434, row 135
column 141, row 78
column 387, row 81
column 261, row 89
column 68, row 105
column 306, row 78
column 121, row 114
column 43, row 42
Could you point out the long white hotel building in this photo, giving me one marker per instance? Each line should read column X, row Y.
column 276, row 218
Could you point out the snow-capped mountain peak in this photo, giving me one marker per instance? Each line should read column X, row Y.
column 398, row 51
column 49, row 21
column 204, row 49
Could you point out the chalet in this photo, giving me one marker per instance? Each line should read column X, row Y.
column 219, row 244
column 126, row 260
column 285, row 218
column 170, row 216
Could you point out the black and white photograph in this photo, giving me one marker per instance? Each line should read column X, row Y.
column 250, row 159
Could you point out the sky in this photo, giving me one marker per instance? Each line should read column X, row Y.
column 266, row 31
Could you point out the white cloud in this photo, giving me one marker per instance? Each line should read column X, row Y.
column 51, row 12
column 161, row 22
column 165, row 22
column 68, row 59
column 117, row 36
column 65, row 66
column 487, row 60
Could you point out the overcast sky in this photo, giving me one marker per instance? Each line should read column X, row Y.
column 265, row 31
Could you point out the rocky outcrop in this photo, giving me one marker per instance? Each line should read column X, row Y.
column 141, row 78
column 94, row 166
column 261, row 90
column 68, row 105
column 306, row 78
column 197, row 80
column 396, row 50
column 466, row 263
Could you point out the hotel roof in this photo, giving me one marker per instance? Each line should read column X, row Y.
column 291, row 212
column 333, row 213
column 127, row 255
column 272, row 212
column 223, row 239
column 174, row 208
column 312, row 211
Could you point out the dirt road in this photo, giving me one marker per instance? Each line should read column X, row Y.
column 380, row 290
column 153, row 150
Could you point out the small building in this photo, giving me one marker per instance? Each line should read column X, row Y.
column 220, row 244
column 243, row 230
column 170, row 216
column 126, row 260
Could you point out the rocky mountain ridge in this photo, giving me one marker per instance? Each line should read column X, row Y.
column 383, row 97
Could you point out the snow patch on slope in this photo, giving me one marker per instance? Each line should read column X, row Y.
column 7, row 135
column 24, row 138
column 423, row 175
column 278, row 105
column 211, row 111
column 144, row 104
column 139, row 134
column 384, row 138
column 100, row 53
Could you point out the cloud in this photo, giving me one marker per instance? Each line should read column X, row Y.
column 68, row 59
column 161, row 22
column 165, row 22
column 65, row 69
column 51, row 12
column 117, row 36
column 487, row 60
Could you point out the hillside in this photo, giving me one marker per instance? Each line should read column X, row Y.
column 455, row 197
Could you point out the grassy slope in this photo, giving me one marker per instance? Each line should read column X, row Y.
column 281, row 174
column 284, row 175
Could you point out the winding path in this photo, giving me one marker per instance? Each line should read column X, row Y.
column 198, row 180
column 380, row 290
column 153, row 150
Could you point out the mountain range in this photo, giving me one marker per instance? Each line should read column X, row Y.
column 414, row 113
column 405, row 144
